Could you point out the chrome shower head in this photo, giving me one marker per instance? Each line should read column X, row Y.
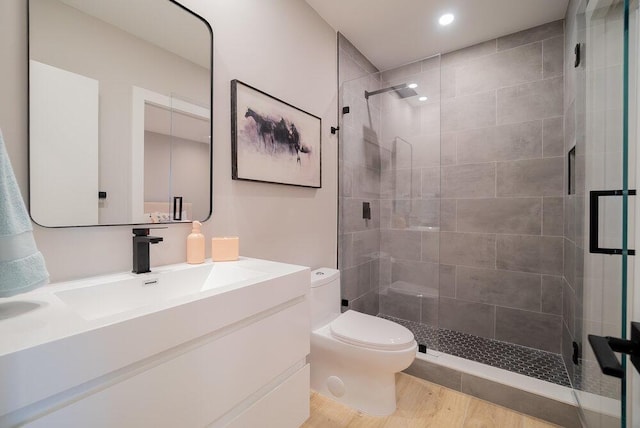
column 403, row 91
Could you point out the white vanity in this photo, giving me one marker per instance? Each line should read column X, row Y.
column 218, row 344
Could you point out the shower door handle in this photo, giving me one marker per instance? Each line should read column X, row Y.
column 594, row 217
column 607, row 360
column 604, row 348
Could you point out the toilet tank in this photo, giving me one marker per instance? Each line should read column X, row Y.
column 325, row 296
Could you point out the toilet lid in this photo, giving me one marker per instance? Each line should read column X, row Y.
column 371, row 332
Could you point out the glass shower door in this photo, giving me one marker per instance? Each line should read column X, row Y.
column 607, row 102
column 389, row 195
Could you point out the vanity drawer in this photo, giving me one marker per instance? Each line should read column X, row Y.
column 285, row 406
column 196, row 384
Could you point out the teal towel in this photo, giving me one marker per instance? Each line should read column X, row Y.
column 22, row 266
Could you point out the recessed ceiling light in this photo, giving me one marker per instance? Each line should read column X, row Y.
column 446, row 19
column 422, row 99
column 412, row 85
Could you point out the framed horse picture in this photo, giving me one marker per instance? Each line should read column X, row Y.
column 273, row 141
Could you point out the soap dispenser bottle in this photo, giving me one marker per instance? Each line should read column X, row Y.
column 195, row 245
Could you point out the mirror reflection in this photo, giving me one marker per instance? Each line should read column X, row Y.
column 120, row 117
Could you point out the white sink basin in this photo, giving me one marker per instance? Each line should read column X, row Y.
column 110, row 297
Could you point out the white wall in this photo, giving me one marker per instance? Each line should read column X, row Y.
column 279, row 46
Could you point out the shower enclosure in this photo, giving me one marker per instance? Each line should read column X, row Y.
column 466, row 199
column 465, row 186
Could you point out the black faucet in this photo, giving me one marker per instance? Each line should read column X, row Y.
column 141, row 241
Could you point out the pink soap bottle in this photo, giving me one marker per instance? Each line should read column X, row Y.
column 195, row 245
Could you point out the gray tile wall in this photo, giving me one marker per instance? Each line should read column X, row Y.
column 502, row 239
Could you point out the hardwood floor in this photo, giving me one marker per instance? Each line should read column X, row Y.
column 421, row 404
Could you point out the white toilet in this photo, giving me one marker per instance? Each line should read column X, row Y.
column 354, row 357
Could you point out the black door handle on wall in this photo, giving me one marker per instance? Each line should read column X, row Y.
column 607, row 360
column 604, row 348
column 594, row 217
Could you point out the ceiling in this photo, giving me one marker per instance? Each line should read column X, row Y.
column 395, row 32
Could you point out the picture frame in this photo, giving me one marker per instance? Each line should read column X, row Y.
column 273, row 141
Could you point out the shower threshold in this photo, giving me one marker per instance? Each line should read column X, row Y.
column 530, row 362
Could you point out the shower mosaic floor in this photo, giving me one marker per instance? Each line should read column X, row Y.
column 530, row 362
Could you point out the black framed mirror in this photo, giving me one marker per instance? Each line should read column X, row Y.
column 120, row 96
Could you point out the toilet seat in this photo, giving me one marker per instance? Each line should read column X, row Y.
column 371, row 332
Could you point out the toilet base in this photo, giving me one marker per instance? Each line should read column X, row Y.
column 373, row 394
column 358, row 377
